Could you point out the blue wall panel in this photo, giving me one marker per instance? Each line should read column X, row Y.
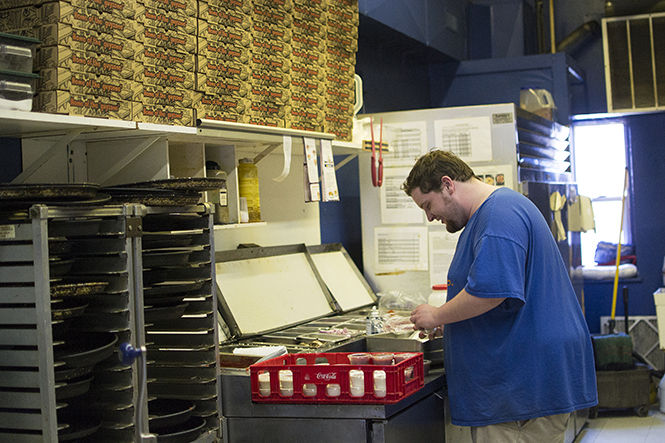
column 10, row 166
column 499, row 80
column 340, row 221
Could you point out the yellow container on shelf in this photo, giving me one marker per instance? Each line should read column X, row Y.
column 248, row 183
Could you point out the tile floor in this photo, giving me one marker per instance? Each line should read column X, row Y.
column 624, row 427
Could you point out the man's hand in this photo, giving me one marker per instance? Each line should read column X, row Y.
column 431, row 333
column 424, row 317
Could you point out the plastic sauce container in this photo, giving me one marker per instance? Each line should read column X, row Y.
column 248, row 184
column 438, row 295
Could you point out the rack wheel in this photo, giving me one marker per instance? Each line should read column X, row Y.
column 642, row 411
column 593, row 412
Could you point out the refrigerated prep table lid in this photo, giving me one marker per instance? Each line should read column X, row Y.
column 265, row 289
column 344, row 281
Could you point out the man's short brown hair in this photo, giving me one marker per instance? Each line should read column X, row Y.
column 427, row 172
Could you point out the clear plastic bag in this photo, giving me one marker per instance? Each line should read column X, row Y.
column 396, row 300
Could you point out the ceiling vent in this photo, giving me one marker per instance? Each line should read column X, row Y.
column 634, row 49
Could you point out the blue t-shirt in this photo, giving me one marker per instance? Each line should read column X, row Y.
column 531, row 356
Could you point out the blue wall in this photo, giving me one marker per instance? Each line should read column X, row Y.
column 10, row 166
column 340, row 221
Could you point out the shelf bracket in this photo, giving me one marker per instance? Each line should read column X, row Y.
column 48, row 155
column 265, row 152
column 347, row 159
column 130, row 157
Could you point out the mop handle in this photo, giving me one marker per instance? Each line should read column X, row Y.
column 616, row 272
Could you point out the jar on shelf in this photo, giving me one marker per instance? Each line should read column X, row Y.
column 248, row 184
column 438, row 295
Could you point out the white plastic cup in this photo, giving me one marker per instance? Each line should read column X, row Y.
column 333, row 390
column 264, row 384
column 380, row 383
column 286, row 382
column 309, row 390
column 356, row 383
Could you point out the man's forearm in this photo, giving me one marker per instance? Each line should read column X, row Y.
column 464, row 306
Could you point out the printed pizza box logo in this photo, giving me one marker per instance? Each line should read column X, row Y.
column 181, row 6
column 306, row 70
column 223, row 51
column 337, row 40
column 271, row 15
column 266, row 29
column 342, row 13
column 164, row 20
column 169, row 39
column 224, row 34
column 108, row 6
column 220, row 14
column 271, row 62
column 167, row 58
column 307, row 27
column 308, row 56
column 308, row 13
column 343, row 27
column 305, row 99
column 305, row 40
column 340, row 66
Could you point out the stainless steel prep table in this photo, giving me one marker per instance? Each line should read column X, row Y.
column 293, row 290
column 419, row 417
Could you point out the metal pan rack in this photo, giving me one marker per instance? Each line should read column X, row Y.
column 66, row 286
column 72, row 290
column 180, row 318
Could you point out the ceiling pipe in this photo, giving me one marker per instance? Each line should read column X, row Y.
column 581, row 34
column 540, row 26
column 552, row 36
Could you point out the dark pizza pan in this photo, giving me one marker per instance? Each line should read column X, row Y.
column 164, row 313
column 183, row 183
column 76, row 289
column 72, row 388
column 48, row 191
column 164, row 412
column 85, row 349
column 185, row 432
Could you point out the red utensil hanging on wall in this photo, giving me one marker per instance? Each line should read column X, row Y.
column 377, row 170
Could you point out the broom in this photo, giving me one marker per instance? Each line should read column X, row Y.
column 618, row 259
column 615, row 351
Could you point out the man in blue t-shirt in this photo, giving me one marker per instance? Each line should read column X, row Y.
column 517, row 351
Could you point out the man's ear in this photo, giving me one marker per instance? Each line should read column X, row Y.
column 447, row 184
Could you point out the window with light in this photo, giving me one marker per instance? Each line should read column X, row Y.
column 600, row 163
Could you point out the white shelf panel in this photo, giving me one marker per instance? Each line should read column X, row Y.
column 23, row 124
column 340, row 147
column 239, row 225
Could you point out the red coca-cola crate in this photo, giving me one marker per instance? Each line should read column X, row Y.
column 330, row 378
